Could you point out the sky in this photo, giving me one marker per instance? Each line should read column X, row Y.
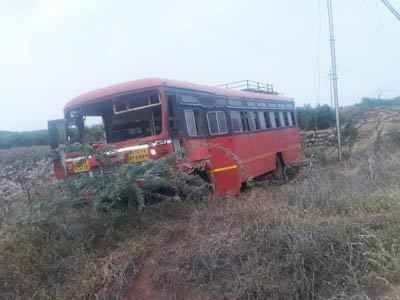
column 54, row 50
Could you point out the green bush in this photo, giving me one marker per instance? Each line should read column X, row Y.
column 375, row 102
column 315, row 118
column 134, row 185
column 10, row 139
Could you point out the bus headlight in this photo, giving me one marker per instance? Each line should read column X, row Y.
column 153, row 152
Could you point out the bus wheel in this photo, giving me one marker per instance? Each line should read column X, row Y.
column 280, row 172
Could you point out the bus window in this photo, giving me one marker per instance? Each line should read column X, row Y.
column 172, row 121
column 293, row 118
column 290, row 119
column 245, row 120
column 222, row 123
column 253, row 121
column 132, row 102
column 262, row 120
column 272, row 119
column 94, row 131
column 286, row 119
column 191, row 125
column 281, row 118
column 257, row 121
column 217, row 122
column 136, row 123
column 236, row 121
column 277, row 119
column 267, row 118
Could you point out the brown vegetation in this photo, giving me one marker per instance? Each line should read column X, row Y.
column 332, row 232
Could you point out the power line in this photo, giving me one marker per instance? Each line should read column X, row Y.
column 391, row 8
column 318, row 56
column 334, row 78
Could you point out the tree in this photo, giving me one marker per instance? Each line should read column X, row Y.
column 319, row 117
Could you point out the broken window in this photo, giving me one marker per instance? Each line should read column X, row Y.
column 136, row 124
column 131, row 102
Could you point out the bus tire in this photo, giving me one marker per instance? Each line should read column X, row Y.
column 280, row 173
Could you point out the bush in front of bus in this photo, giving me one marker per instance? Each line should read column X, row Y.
column 135, row 185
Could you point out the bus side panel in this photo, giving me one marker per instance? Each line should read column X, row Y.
column 222, row 166
column 225, row 167
column 255, row 153
column 197, row 149
column 226, row 182
column 265, row 145
column 292, row 152
column 243, row 149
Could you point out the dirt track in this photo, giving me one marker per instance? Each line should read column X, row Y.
column 142, row 288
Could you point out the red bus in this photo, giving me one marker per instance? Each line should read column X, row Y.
column 227, row 135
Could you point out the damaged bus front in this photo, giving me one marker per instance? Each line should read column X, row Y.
column 130, row 127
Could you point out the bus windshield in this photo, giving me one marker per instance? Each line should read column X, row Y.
column 128, row 116
column 135, row 124
column 135, row 116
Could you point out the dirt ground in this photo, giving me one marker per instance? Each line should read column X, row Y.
column 180, row 232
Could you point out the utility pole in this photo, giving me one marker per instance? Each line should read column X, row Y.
column 334, row 78
column 391, row 8
column 331, row 88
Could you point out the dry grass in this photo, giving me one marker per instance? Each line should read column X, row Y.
column 42, row 260
column 332, row 233
column 255, row 248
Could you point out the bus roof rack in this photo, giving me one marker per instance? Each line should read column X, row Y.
column 250, row 86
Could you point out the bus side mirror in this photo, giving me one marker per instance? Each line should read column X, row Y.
column 56, row 130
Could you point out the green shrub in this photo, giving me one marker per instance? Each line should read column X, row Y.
column 10, row 139
column 314, row 118
column 135, row 185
